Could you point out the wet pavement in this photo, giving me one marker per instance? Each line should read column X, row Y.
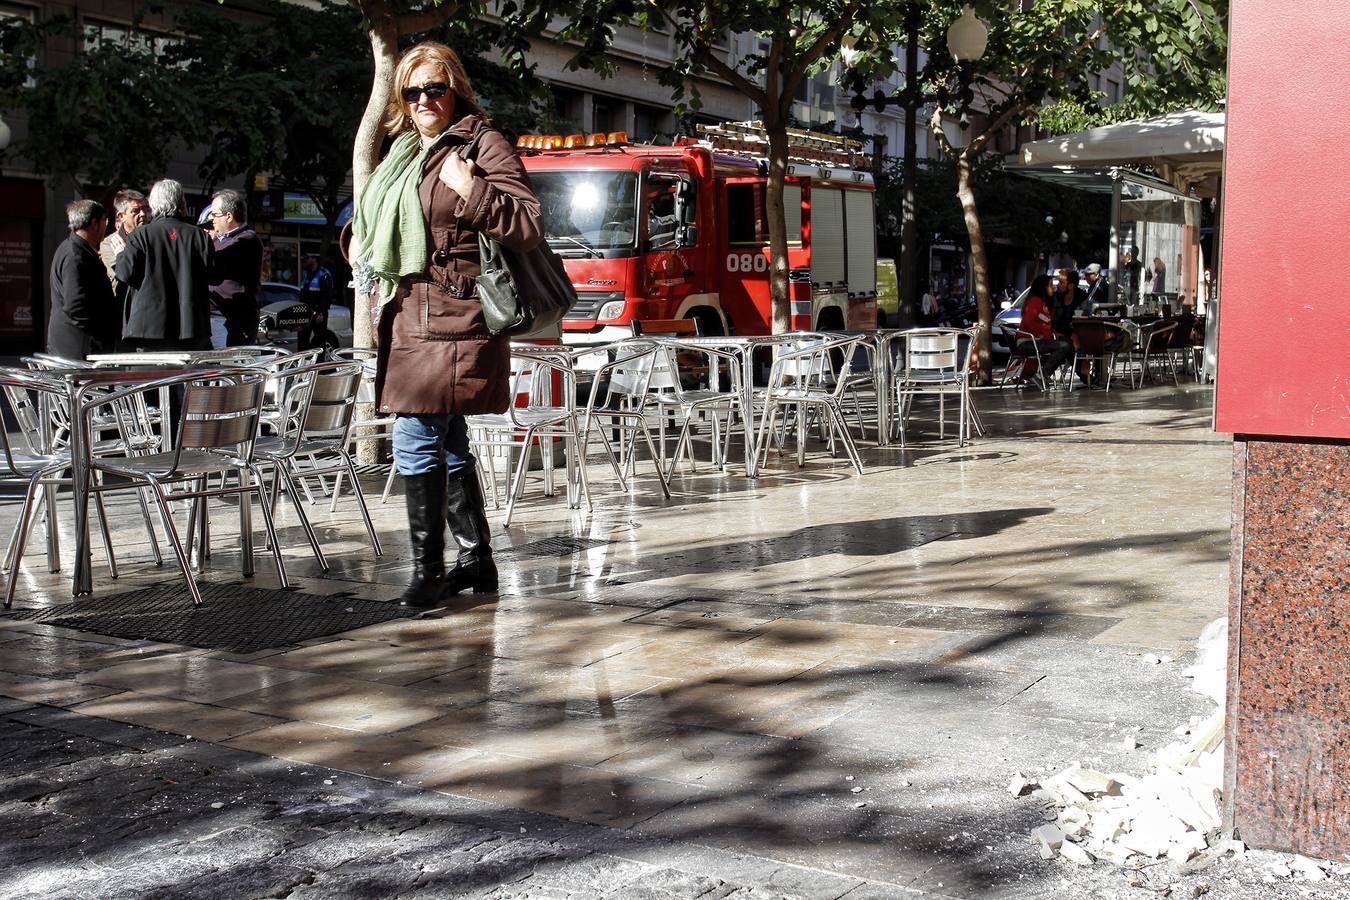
column 810, row 684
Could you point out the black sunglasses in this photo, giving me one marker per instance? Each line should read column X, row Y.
column 434, row 90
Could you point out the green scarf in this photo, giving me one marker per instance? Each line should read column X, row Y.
column 387, row 223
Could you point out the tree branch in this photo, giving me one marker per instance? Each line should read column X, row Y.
column 427, row 19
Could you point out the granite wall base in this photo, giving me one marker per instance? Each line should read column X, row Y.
column 1288, row 734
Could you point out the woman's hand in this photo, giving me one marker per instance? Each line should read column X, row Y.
column 457, row 174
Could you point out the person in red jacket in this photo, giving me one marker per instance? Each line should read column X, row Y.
column 1036, row 323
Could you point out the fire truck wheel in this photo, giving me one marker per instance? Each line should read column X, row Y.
column 709, row 322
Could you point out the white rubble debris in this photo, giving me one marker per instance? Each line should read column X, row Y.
column 1174, row 812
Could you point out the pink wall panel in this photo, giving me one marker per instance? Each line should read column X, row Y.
column 1284, row 333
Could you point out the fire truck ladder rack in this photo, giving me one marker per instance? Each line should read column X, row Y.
column 750, row 139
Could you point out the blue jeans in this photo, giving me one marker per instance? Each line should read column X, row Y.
column 428, row 443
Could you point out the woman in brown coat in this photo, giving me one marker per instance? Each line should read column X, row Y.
column 415, row 239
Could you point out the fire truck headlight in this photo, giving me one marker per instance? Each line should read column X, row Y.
column 611, row 310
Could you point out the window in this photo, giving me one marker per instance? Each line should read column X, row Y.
column 10, row 12
column 670, row 203
column 103, row 34
column 746, row 222
column 1112, row 90
column 587, row 211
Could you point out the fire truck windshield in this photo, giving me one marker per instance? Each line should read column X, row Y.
column 588, row 213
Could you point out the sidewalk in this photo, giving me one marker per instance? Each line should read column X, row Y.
column 808, row 685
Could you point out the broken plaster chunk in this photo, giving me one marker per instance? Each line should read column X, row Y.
column 1049, row 835
column 1088, row 781
column 1019, row 784
column 1046, row 852
column 1236, row 847
column 1152, row 659
column 1076, row 854
column 1308, row 868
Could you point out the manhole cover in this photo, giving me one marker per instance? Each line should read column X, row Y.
column 232, row 617
column 555, row 546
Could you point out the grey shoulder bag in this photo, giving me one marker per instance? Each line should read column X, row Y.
column 521, row 292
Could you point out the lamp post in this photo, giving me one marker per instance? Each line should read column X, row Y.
column 966, row 41
column 5, row 135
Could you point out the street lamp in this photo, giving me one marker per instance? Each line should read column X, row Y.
column 5, row 135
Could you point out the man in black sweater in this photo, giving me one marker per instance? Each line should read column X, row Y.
column 84, row 313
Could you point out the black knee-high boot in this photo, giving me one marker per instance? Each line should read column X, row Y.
column 469, row 526
column 425, row 496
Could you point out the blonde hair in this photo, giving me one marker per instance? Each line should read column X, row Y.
column 396, row 118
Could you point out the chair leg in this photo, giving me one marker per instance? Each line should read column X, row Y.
column 102, row 514
column 579, row 458
column 361, row 502
column 21, row 536
column 172, row 531
column 836, row 417
column 656, row 458
column 257, row 486
column 149, row 526
column 518, row 477
column 300, row 514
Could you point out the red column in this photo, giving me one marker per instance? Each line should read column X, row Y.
column 1283, row 389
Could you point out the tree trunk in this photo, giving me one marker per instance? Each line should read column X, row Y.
column 909, row 299
column 365, row 157
column 774, row 210
column 979, row 261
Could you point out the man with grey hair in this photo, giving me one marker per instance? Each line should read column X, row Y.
column 235, row 284
column 84, row 313
column 167, row 264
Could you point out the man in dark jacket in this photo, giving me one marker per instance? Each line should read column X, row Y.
column 234, row 288
column 84, row 313
column 168, row 264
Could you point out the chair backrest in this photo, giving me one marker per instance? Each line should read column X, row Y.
column 623, row 382
column 1090, row 335
column 221, row 411
column 933, row 352
column 1181, row 335
column 332, row 399
column 815, row 365
column 1155, row 336
column 26, row 397
column 671, row 327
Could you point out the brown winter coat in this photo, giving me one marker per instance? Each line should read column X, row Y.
column 435, row 352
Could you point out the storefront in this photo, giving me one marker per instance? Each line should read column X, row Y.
column 22, row 294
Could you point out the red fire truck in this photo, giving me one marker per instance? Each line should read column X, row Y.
column 680, row 232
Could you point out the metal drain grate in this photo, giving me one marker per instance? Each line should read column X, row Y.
column 232, row 617
column 554, row 546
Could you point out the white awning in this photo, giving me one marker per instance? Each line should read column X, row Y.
column 1186, row 148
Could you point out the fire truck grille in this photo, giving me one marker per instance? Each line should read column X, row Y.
column 589, row 303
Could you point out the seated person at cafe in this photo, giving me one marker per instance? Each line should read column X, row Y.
column 1036, row 321
column 1067, row 299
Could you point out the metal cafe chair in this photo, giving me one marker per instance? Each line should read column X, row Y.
column 543, row 388
column 619, row 402
column 318, row 406
column 35, row 460
column 218, row 427
column 1154, row 338
column 932, row 365
column 130, row 427
column 812, row 376
column 708, row 399
column 372, row 428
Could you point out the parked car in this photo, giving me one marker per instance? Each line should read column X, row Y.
column 281, row 315
column 1006, row 322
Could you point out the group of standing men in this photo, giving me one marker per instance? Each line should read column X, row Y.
column 150, row 284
